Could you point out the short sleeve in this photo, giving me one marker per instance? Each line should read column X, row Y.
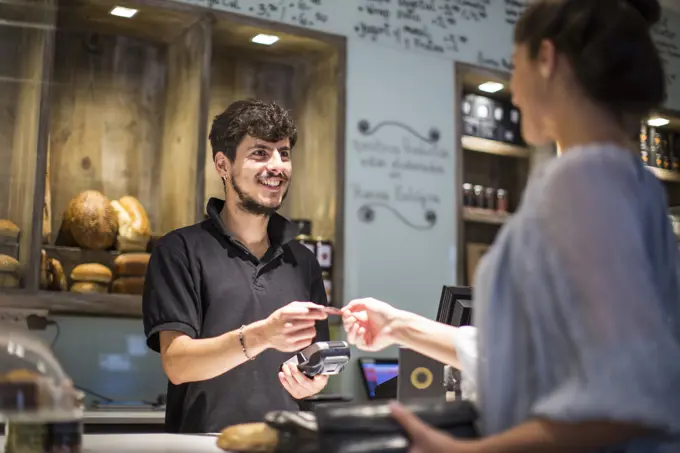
column 170, row 301
column 607, row 347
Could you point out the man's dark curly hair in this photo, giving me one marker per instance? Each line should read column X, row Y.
column 259, row 119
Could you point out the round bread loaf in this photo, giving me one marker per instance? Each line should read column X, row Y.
column 89, row 287
column 131, row 264
column 92, row 220
column 250, row 437
column 57, row 278
column 20, row 375
column 9, row 229
column 128, row 285
column 9, row 265
column 92, row 272
column 9, row 280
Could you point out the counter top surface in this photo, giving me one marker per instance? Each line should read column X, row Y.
column 145, row 443
column 123, row 417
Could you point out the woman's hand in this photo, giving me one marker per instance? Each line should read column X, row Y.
column 370, row 323
column 425, row 439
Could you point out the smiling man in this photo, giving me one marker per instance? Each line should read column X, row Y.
column 228, row 300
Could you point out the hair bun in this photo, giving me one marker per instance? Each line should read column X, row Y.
column 650, row 10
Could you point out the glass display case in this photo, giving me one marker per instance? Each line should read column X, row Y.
column 41, row 409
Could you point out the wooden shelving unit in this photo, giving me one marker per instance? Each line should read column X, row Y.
column 67, row 303
column 484, row 145
column 123, row 107
column 485, row 162
column 484, row 216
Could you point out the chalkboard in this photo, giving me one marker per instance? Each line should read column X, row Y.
column 471, row 31
column 667, row 40
column 316, row 14
column 400, row 192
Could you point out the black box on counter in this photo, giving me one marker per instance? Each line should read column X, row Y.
column 492, row 119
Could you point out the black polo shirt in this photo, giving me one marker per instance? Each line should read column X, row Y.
column 203, row 282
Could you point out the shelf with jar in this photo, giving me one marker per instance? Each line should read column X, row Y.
column 660, row 146
column 493, row 159
column 109, row 146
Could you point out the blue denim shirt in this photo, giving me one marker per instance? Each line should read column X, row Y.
column 577, row 303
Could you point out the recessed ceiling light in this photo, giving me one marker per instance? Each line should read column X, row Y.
column 122, row 11
column 266, row 40
column 657, row 121
column 491, row 87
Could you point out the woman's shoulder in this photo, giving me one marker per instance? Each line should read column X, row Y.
column 596, row 175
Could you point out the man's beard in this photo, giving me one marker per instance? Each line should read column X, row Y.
column 250, row 205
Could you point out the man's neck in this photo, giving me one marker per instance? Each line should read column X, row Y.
column 249, row 229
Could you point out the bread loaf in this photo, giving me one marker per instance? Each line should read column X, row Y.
column 44, row 270
column 136, row 244
column 9, row 265
column 131, row 264
column 89, row 287
column 57, row 278
column 128, row 285
column 9, row 229
column 92, row 272
column 250, row 437
column 9, row 280
column 91, row 220
column 140, row 220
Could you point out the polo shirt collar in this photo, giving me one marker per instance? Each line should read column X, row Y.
column 279, row 229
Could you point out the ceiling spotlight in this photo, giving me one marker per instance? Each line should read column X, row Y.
column 266, row 40
column 491, row 87
column 122, row 11
column 657, row 121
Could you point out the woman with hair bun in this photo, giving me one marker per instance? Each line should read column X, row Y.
column 577, row 303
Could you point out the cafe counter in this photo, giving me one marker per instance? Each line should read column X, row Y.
column 145, row 443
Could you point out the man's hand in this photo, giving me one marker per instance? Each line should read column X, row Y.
column 292, row 328
column 425, row 439
column 299, row 385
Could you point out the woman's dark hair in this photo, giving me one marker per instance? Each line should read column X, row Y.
column 609, row 46
column 264, row 120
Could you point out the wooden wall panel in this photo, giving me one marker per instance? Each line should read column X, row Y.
column 236, row 76
column 183, row 122
column 313, row 195
column 106, row 120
